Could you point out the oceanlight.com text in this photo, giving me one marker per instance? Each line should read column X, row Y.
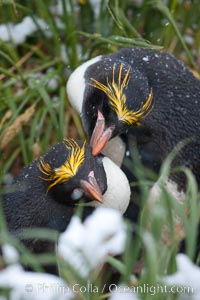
column 151, row 289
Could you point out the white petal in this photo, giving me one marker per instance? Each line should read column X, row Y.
column 10, row 254
column 33, row 286
column 85, row 246
column 187, row 276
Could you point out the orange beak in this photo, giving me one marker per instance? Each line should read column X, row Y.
column 92, row 188
column 100, row 136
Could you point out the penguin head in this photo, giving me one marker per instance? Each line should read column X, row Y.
column 114, row 97
column 122, row 98
column 69, row 171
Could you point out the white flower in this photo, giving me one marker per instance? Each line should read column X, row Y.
column 86, row 246
column 5, row 32
column 19, row 32
column 10, row 254
column 33, row 286
column 187, row 276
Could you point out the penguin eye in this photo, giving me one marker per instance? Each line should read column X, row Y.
column 115, row 91
column 77, row 194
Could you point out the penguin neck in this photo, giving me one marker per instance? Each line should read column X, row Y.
column 117, row 195
column 115, row 150
column 76, row 95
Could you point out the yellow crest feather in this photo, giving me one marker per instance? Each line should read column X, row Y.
column 66, row 171
column 115, row 92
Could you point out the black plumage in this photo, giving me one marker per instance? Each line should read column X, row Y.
column 162, row 94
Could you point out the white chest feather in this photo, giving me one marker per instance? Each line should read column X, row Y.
column 118, row 193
